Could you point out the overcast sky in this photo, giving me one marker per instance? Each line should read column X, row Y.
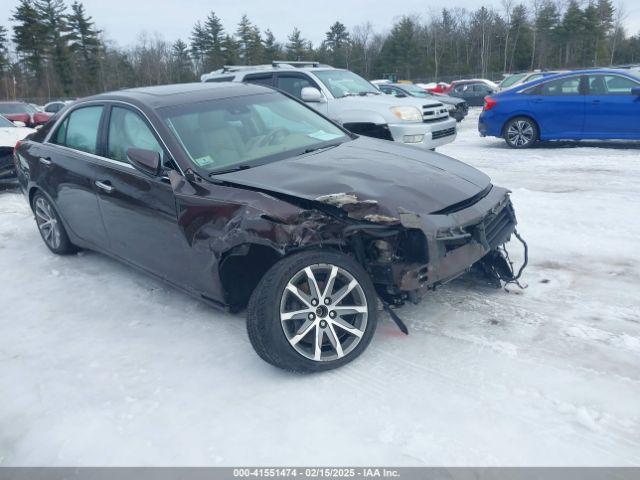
column 123, row 20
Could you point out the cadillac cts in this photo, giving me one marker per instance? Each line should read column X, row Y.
column 245, row 197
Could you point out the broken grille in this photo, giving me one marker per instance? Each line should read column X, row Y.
column 496, row 229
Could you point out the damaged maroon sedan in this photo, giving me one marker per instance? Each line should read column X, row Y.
column 245, row 197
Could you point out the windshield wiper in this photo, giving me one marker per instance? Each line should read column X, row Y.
column 315, row 149
column 364, row 94
column 234, row 168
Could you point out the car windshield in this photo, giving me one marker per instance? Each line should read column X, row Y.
column 342, row 83
column 11, row 108
column 4, row 123
column 240, row 132
column 512, row 79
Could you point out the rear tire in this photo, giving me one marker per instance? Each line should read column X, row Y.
column 312, row 311
column 521, row 132
column 50, row 226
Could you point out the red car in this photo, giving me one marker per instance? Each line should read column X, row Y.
column 439, row 88
column 23, row 112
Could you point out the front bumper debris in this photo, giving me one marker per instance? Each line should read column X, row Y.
column 458, row 240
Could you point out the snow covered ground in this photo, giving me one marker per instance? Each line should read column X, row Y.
column 100, row 365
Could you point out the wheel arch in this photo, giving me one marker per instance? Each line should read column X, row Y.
column 520, row 115
column 243, row 266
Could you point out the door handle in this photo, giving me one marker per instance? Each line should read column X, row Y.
column 595, row 102
column 106, row 186
column 46, row 161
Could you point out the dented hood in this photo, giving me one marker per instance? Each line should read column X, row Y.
column 388, row 178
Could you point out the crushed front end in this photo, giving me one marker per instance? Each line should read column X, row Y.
column 436, row 248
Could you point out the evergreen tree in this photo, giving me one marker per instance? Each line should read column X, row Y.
column 337, row 45
column 199, row 45
column 297, row 48
column 181, row 63
column 401, row 49
column 28, row 36
column 521, row 36
column 208, row 43
column 272, row 50
column 56, row 36
column 571, row 32
column 546, row 24
column 85, row 46
column 230, row 50
column 250, row 47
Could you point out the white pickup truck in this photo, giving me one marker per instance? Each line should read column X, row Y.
column 352, row 101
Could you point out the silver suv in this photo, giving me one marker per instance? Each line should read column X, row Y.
column 352, row 101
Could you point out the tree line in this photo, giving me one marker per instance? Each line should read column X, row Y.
column 53, row 50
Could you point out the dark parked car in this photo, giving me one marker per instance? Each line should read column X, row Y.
column 25, row 113
column 472, row 91
column 243, row 196
column 458, row 108
column 582, row 105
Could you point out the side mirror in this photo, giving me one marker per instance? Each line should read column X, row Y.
column 311, row 95
column 147, row 161
column 400, row 95
column 18, row 123
column 635, row 91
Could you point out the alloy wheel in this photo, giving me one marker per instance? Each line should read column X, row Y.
column 323, row 312
column 47, row 223
column 520, row 133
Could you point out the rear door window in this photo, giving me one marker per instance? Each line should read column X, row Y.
column 560, row 87
column 80, row 129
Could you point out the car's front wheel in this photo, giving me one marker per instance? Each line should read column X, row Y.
column 521, row 132
column 50, row 226
column 312, row 311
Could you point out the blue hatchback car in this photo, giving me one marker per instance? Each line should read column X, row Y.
column 582, row 105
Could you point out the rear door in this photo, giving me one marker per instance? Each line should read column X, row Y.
column 611, row 110
column 67, row 172
column 559, row 106
column 139, row 210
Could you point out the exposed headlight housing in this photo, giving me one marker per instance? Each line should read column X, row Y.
column 407, row 114
column 451, row 108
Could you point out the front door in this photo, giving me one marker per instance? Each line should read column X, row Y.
column 293, row 83
column 139, row 211
column 611, row 111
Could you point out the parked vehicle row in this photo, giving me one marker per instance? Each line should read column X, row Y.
column 581, row 105
column 352, row 101
column 458, row 108
column 10, row 134
column 25, row 113
column 517, row 79
column 244, row 196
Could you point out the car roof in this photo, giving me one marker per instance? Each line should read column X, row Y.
column 181, row 93
column 571, row 73
column 232, row 71
column 402, row 85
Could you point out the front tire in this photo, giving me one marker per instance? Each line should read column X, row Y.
column 521, row 132
column 50, row 226
column 312, row 311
